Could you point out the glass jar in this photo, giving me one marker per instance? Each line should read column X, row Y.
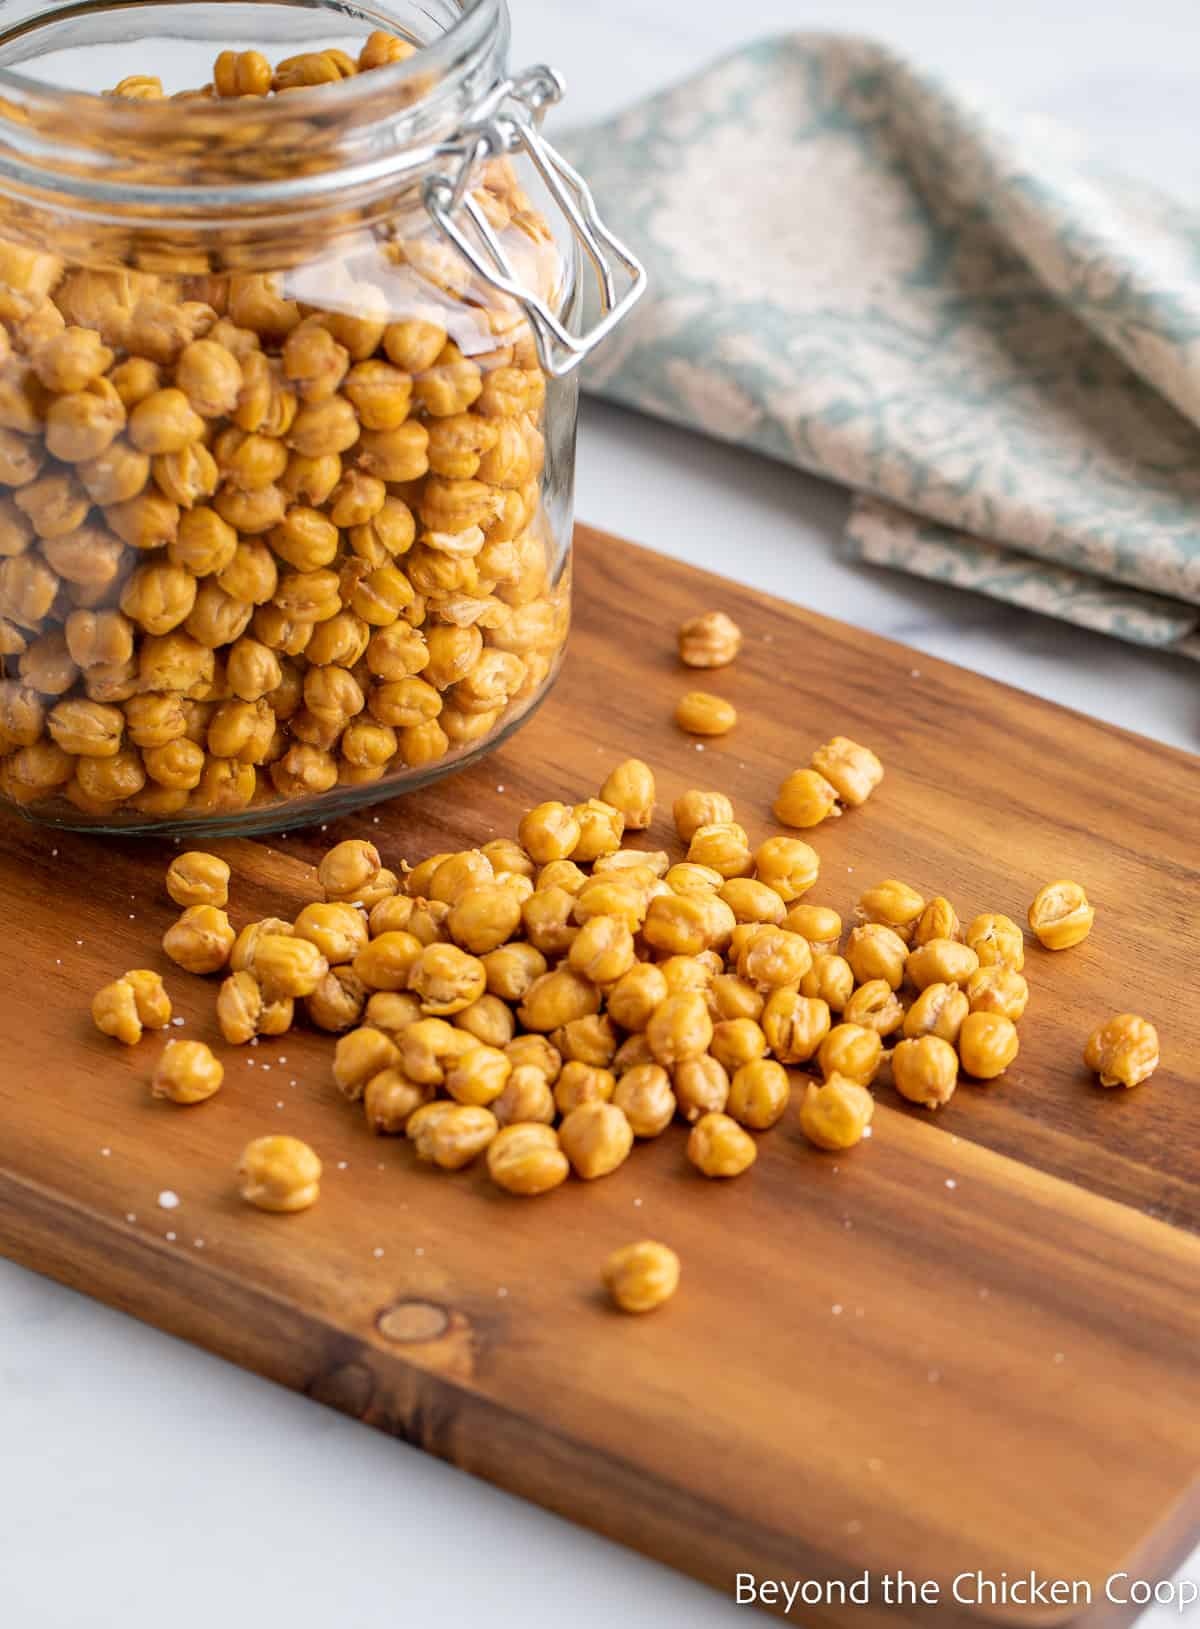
column 287, row 404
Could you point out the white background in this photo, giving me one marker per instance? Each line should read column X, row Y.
column 146, row 1485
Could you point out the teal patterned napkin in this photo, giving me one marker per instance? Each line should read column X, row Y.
column 995, row 341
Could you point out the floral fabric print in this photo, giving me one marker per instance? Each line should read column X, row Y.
column 956, row 315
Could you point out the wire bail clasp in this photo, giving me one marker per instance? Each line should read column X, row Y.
column 507, row 121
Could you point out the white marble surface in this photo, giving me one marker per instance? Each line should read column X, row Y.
column 147, row 1484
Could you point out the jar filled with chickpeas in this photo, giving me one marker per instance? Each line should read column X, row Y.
column 289, row 325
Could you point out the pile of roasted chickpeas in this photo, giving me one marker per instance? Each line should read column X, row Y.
column 254, row 549
column 546, row 1002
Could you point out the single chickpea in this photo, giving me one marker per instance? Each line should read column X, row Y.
column 630, row 788
column 925, row 1070
column 114, row 1012
column 452, row 1135
column 71, row 359
column 852, row 1051
column 736, row 1042
column 647, row 865
column 679, row 1028
column 774, row 959
column 388, row 961
column 718, row 1147
column 794, row 1025
column 701, row 1086
column 987, row 1044
column 997, row 989
column 641, row 1276
column 86, row 728
column 805, row 799
column 752, row 901
column 690, row 879
column 549, row 832
column 699, row 712
column 644, row 1096
column 187, row 1072
column 875, row 1006
column 938, row 1010
column 852, row 770
column 723, row 848
column 618, row 896
column 164, row 423
column 633, row 999
column 526, row 1159
column 582, row 1083
column 548, row 920
column 390, row 1100
column 632, row 1053
column 337, row 929
column 830, row 979
column 489, row 1020
column 596, row 1138
column 836, row 1115
column 392, row 1010
column 348, row 869
column 478, row 1076
column 941, row 961
column 201, row 940
column 150, row 997
column 526, row 1098
column 563, row 874
column 338, row 1003
column 241, row 958
column 876, row 952
column 239, row 1007
column 677, row 924
column 600, row 830
column 380, row 50
column 279, row 1174
column 894, row 905
column 711, row 640
column 997, row 941
column 483, row 918
column 696, row 809
column 556, row 999
column 1061, row 916
column 359, row 1056
column 603, row 950
column 758, row 1093
column 197, row 878
column 512, row 969
column 690, row 974
column 787, row 865
column 288, row 966
column 939, row 920
column 591, row 1040
column 1123, row 1051
column 732, row 997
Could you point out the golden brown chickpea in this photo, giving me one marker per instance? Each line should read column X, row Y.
column 535, row 1052
column 159, row 596
column 678, row 924
column 548, row 920
column 389, row 960
column 752, row 901
column 737, row 1041
column 446, row 979
column 987, row 1044
column 582, row 1083
column 603, row 950
column 456, row 875
column 563, row 874
column 201, row 940
column 699, row 712
column 478, row 1076
column 773, row 958
column 831, row 980
column 557, row 998
column 616, row 895
column 630, row 789
column 877, row 952
column 787, row 865
column 711, row 640
column 644, row 1096
column 939, row 920
column 600, row 830
column 84, row 424
column 163, row 423
column 338, row 931
column 596, row 1138
column 239, row 1007
column 679, row 1028
column 86, row 728
column 390, row 1100
column 997, row 989
column 549, row 832
column 875, row 1006
column 526, row 1159
column 925, row 1071
column 526, row 1097
column 894, row 905
column 805, row 799
column 696, row 809
column 1123, row 1051
column 852, row 770
column 187, row 1072
column 130, row 1004
column 641, row 1276
column 723, row 848
column 997, row 941
column 794, row 1025
column 414, row 344
column 349, row 869
column 382, row 49
column 701, row 1086
column 288, row 966
column 314, row 364
column 359, row 1056
column 483, row 918
column 938, row 1010
column 718, row 1147
column 279, row 1174
column 512, row 969
column 339, row 1001
column 55, row 506
column 852, row 1051
column 941, row 961
column 732, row 997
column 836, row 1115
column 489, row 1020
column 1061, row 916
column 197, row 878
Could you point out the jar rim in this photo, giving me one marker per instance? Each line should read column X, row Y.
column 83, row 143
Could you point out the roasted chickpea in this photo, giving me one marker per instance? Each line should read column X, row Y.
column 389, row 960
column 446, row 979
column 997, row 989
column 359, row 1056
column 131, row 1004
column 987, row 1044
column 736, row 1042
column 852, row 770
column 723, row 848
column 339, row 1001
column 197, row 878
column 829, row 979
column 875, row 1006
column 489, row 1020
column 699, row 712
column 893, row 904
column 787, row 865
column 758, row 1093
column 644, row 1096
column 526, row 1098
column 338, row 931
column 549, row 832
column 701, row 1086
column 288, row 966
column 938, row 1010
column 794, row 1025
column 773, row 958
column 836, row 1115
column 939, row 920
column 679, row 1028
column 512, row 968
column 478, row 1076
column 603, row 950
column 852, row 1051
column 733, row 997
column 877, row 952
column 526, row 1159
column 582, row 1083
column 279, row 1174
column 941, row 961
column 997, row 941
column 596, row 1138
column 718, row 1147
column 925, row 1070
column 630, row 789
column 349, row 869
column 1061, row 916
column 390, row 1100
column 200, row 940
column 1123, row 1051
column 557, row 998
column 805, row 799
column 239, row 1007
column 696, row 809
column 710, row 640
column 187, row 1072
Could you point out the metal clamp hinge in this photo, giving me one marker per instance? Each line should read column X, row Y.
column 508, row 121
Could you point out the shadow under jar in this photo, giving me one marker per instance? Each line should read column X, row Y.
column 287, row 404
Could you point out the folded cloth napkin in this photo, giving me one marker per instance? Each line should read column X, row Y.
column 993, row 340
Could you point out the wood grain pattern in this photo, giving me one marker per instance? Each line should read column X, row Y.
column 968, row 1344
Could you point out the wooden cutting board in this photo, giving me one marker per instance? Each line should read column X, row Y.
column 968, row 1346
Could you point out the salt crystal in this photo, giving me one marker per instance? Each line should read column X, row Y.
column 915, row 672
column 867, row 1131
column 132, row 917
column 79, row 941
column 419, row 1251
column 254, row 1041
column 637, row 1201
column 950, row 1182
column 279, row 1105
column 54, row 854
column 168, row 1199
column 874, row 1464
column 1060, row 1357
column 170, row 1238
column 199, row 1243
column 266, row 1066
column 699, row 746
column 249, row 1063
column 106, row 1152
column 130, row 1217
column 501, row 1292
column 341, row 1165
column 499, row 789
column 377, row 1252
column 934, row 1376
column 178, row 1022
column 282, row 1060
column 836, row 1309
column 293, row 1083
